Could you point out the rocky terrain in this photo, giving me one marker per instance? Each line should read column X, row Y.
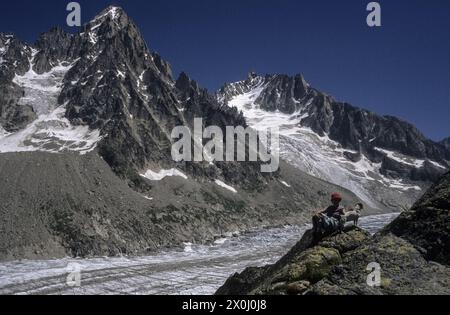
column 413, row 253
column 387, row 162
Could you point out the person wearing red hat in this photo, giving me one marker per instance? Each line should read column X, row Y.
column 330, row 219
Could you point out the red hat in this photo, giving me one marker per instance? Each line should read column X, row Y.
column 336, row 196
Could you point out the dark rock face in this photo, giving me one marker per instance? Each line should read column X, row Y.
column 53, row 47
column 446, row 143
column 413, row 253
column 14, row 58
column 354, row 128
column 427, row 224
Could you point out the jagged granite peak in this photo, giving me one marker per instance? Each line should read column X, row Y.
column 109, row 21
column 418, row 241
column 279, row 92
column 446, row 143
column 186, row 86
column 120, row 89
column 111, row 12
column 53, row 47
column 123, row 89
column 14, row 56
column 195, row 101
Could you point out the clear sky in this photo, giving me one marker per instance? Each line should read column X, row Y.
column 400, row 69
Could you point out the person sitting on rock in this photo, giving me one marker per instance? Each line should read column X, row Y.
column 329, row 220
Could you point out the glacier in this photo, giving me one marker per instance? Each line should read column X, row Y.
column 51, row 131
column 192, row 269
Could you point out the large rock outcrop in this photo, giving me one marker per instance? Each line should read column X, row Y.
column 412, row 252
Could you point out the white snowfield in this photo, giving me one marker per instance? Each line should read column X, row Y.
column 227, row 187
column 51, row 131
column 157, row 176
column 316, row 155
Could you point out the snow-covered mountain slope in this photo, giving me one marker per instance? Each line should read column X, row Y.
column 51, row 131
column 313, row 140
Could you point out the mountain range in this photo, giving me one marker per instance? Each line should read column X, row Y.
column 85, row 149
column 85, row 152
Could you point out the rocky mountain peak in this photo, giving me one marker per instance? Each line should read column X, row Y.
column 54, row 34
column 252, row 75
column 446, row 143
column 14, row 56
column 118, row 86
column 5, row 39
column 111, row 13
column 275, row 91
column 186, row 85
column 52, row 47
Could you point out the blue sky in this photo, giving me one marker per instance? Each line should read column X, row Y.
column 400, row 69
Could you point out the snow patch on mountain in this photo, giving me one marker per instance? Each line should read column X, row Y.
column 157, row 176
column 223, row 185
